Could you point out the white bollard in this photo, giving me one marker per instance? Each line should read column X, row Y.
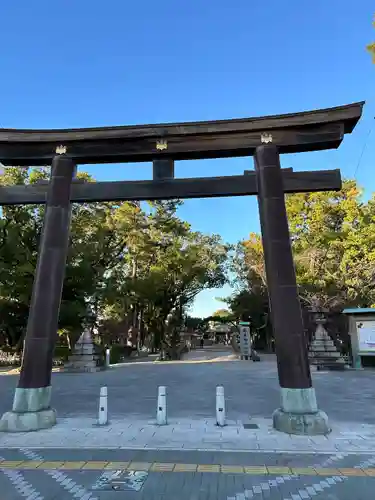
column 161, row 412
column 103, row 406
column 107, row 357
column 220, row 406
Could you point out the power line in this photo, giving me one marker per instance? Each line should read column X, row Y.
column 362, row 152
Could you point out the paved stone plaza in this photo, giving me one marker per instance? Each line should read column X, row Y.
column 191, row 458
column 251, row 389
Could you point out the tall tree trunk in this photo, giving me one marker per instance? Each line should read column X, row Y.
column 19, row 345
column 141, row 328
column 134, row 278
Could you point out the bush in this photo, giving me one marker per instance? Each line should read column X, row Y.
column 57, row 362
column 119, row 353
column 61, row 352
column 8, row 349
column 9, row 359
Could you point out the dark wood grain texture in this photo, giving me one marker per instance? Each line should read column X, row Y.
column 43, row 318
column 162, row 169
column 285, row 308
column 349, row 114
column 298, row 132
column 204, row 187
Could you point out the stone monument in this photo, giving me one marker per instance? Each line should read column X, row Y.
column 245, row 340
column 84, row 357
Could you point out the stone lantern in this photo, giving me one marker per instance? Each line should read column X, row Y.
column 322, row 350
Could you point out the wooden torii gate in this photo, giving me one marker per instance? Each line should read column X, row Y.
column 264, row 138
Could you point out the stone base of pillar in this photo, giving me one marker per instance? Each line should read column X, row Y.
column 299, row 413
column 31, row 411
column 29, row 421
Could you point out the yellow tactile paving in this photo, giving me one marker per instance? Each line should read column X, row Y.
column 254, row 469
column 94, row 465
column 30, row 464
column 327, row 472
column 232, row 469
column 73, row 465
column 185, row 468
column 117, row 465
column 351, row 472
column 180, row 467
column 50, row 465
column 279, row 471
column 208, row 468
column 11, row 464
column 145, row 466
column 162, row 467
column 304, row 471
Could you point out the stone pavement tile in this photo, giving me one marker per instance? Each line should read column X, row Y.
column 348, row 489
column 32, row 482
column 224, row 487
column 196, row 482
column 289, row 488
column 8, row 483
column 236, row 482
column 72, row 482
column 266, row 487
column 210, row 483
column 86, row 454
column 233, row 445
column 128, row 434
column 239, row 481
column 187, row 486
column 174, row 483
column 155, row 484
column 354, row 489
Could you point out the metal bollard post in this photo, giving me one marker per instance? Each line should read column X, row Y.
column 220, row 406
column 161, row 412
column 107, row 357
column 103, row 406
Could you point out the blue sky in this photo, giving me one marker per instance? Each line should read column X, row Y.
column 81, row 63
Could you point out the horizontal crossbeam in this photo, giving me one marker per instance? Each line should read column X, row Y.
column 293, row 132
column 177, row 147
column 204, row 187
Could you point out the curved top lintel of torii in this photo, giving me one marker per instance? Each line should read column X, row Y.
column 292, row 132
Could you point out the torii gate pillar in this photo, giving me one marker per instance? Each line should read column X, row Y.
column 31, row 405
column 298, row 413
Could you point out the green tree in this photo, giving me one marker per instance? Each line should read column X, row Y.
column 128, row 264
column 90, row 254
column 195, row 324
column 333, row 241
column 20, row 229
column 181, row 263
column 221, row 313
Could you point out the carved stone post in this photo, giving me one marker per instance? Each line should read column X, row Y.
column 31, row 406
column 298, row 413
